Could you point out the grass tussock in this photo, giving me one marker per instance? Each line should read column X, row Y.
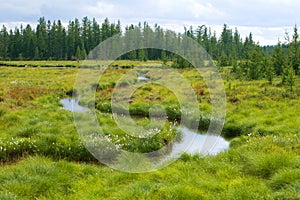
column 42, row 156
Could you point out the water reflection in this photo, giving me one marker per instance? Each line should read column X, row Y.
column 143, row 78
column 72, row 105
column 194, row 143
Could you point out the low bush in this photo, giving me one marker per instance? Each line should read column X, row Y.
column 139, row 109
column 265, row 165
column 16, row 148
column 286, row 179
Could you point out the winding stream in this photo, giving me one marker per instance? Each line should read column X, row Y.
column 184, row 145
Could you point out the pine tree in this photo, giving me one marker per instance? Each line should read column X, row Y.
column 164, row 56
column 28, row 43
column 95, row 33
column 223, row 60
column 86, row 34
column 256, row 58
column 78, row 53
column 4, row 43
column 214, row 46
column 268, row 69
column 294, row 51
column 41, row 34
column 60, row 41
column 83, row 54
column 70, row 40
column 49, row 40
column 36, row 54
column 77, row 36
column 105, row 30
column 288, row 77
column 278, row 59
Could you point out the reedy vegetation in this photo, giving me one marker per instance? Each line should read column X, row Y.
column 262, row 163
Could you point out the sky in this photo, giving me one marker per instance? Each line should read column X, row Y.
column 268, row 20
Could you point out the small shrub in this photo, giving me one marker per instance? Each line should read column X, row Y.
column 71, row 92
column 147, row 88
column 16, row 148
column 27, row 132
column 204, row 123
column 2, row 112
column 187, row 157
column 123, row 83
column 286, row 179
column 173, row 112
column 238, row 141
column 104, row 107
column 139, row 109
column 265, row 165
column 232, row 130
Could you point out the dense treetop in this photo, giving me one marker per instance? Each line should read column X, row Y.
column 51, row 40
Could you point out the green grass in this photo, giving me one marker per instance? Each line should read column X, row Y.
column 63, row 63
column 236, row 174
column 252, row 106
column 45, row 159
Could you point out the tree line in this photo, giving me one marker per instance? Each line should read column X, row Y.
column 247, row 58
column 51, row 40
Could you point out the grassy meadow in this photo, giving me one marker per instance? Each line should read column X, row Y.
column 42, row 156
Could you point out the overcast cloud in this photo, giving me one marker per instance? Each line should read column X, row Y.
column 266, row 19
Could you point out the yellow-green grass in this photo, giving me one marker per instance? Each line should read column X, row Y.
column 75, row 63
column 263, row 163
column 261, row 168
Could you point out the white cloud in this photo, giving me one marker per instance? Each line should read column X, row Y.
column 205, row 10
column 18, row 9
column 13, row 25
column 100, row 8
